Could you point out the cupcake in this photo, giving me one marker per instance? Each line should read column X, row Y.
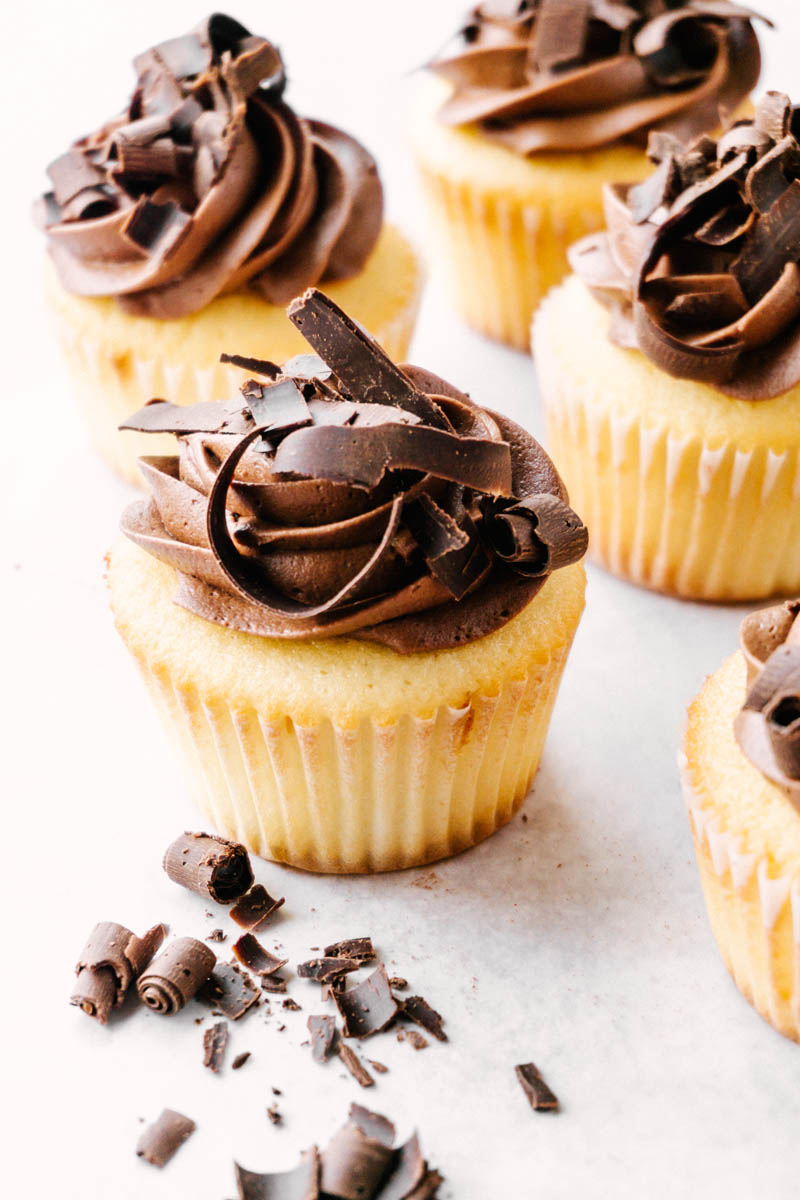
column 534, row 106
column 352, row 592
column 742, row 785
column 185, row 224
column 669, row 367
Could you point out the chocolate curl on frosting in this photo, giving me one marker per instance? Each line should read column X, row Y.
column 768, row 727
column 111, row 961
column 346, row 494
column 208, row 183
column 176, row 975
column 701, row 263
column 562, row 75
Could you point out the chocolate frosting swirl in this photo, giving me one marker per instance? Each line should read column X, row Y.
column 539, row 75
column 208, row 182
column 768, row 727
column 342, row 494
column 699, row 264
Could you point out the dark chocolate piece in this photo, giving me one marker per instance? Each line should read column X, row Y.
column 291, row 1005
column 213, row 867
column 216, row 935
column 323, row 970
column 380, row 1067
column 372, row 1125
column 409, row 1172
column 368, row 1007
column 397, row 983
column 278, row 407
column 251, row 954
column 275, row 1115
column 273, row 983
column 175, row 975
column 231, row 991
column 360, row 949
column 323, row 1037
column 161, row 1140
column 354, row 1165
column 240, row 1060
column 354, row 1065
column 159, row 416
column 259, row 366
column 215, row 1041
column 301, row 1183
column 538, row 1093
column 419, row 1011
column 255, row 909
column 112, row 959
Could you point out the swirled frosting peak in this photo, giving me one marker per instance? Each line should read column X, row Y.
column 342, row 494
column 700, row 262
column 539, row 75
column 768, row 727
column 207, row 183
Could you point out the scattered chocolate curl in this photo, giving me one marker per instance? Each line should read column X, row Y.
column 215, row 868
column 215, row 1042
column 175, row 975
column 255, row 908
column 368, row 1007
column 161, row 1140
column 111, row 961
column 538, row 1094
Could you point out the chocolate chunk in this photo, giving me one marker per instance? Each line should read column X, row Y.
column 161, row 1140
column 259, row 366
column 397, row 983
column 213, row 867
column 354, row 1065
column 368, row 1007
column 538, row 535
column 273, row 983
column 254, row 910
column 291, row 1005
column 538, row 1093
column 418, row 1010
column 215, row 1041
column 416, row 1039
column 175, row 975
column 231, row 991
column 359, row 363
column 240, row 1060
column 380, row 1067
column 216, row 935
column 111, row 961
column 323, row 970
column 301, row 1183
column 360, row 949
column 323, row 1037
column 251, row 954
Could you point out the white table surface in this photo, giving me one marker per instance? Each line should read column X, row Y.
column 577, row 939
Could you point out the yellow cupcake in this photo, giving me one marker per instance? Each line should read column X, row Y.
column 358, row 659
column 530, row 112
column 746, row 834
column 180, row 228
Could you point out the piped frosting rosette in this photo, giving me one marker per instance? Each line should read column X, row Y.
column 207, row 183
column 562, row 75
column 700, row 263
column 768, row 727
column 342, row 494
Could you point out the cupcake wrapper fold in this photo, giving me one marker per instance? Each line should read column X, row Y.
column 375, row 797
column 674, row 513
column 755, row 917
column 502, row 253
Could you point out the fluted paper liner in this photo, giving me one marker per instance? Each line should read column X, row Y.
column 755, row 916
column 710, row 522
column 374, row 797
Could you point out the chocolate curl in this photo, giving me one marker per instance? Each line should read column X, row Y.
column 175, row 975
column 212, row 867
column 776, row 694
column 161, row 1140
column 368, row 1007
column 538, row 535
column 159, row 416
column 324, row 970
column 360, row 949
column 255, row 908
column 111, row 961
column 354, row 1165
column 762, row 632
column 301, row 1183
column 251, row 954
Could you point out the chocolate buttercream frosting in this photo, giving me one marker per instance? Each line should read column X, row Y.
column 562, row 75
column 208, row 183
column 768, row 727
column 700, row 264
column 342, row 494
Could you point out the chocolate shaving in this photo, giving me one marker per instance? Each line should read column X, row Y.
column 230, row 991
column 368, row 1007
column 175, row 975
column 380, row 1067
column 418, row 1010
column 323, row 970
column 240, row 1060
column 536, row 1090
column 254, row 910
column 259, row 366
column 416, row 1039
column 323, row 1037
column 561, row 32
column 161, row 1140
column 215, row 1041
column 159, row 416
column 359, row 949
column 215, row 868
column 274, row 1114
column 301, row 1183
column 251, row 954
column 354, row 1165
column 354, row 1065
column 111, row 961
column 278, row 407
column 273, row 983
column 538, row 535
column 397, row 983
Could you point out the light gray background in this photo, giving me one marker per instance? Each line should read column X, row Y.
column 578, row 939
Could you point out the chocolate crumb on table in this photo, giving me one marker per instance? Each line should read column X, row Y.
column 161, row 1140
column 417, row 1040
column 216, row 935
column 111, row 961
column 254, row 910
column 211, row 866
column 539, row 1095
column 240, row 1060
column 275, row 1115
column 215, row 1041
column 380, row 1067
column 354, row 1065
column 175, row 975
